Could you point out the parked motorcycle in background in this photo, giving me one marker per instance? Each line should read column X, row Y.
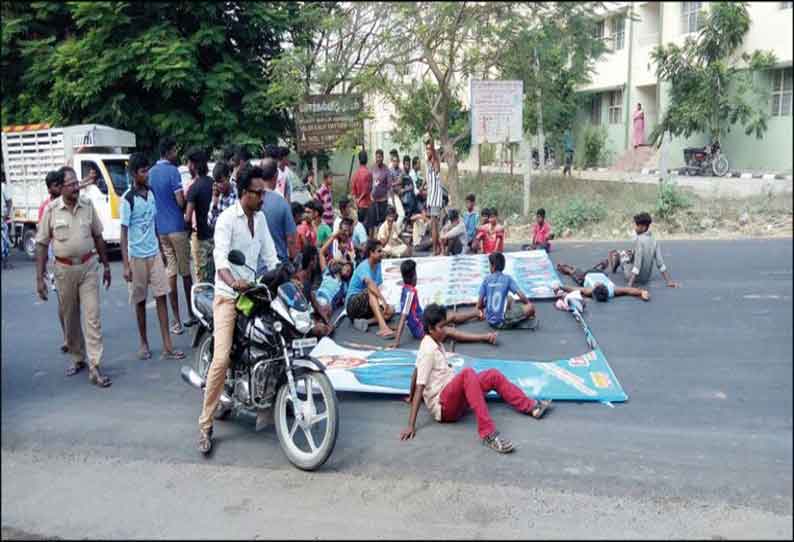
column 271, row 373
column 705, row 160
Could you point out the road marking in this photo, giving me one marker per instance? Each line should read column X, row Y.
column 767, row 296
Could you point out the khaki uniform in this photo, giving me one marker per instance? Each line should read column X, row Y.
column 71, row 234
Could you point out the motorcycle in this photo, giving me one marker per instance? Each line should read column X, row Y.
column 702, row 160
column 271, row 373
column 548, row 157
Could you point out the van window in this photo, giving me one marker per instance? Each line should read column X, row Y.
column 89, row 167
column 118, row 175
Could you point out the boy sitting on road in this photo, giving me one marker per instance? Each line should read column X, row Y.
column 333, row 286
column 411, row 311
column 364, row 300
column 448, row 396
column 494, row 298
column 491, row 235
column 389, row 236
column 541, row 232
column 471, row 218
column 637, row 264
column 303, row 280
column 453, row 235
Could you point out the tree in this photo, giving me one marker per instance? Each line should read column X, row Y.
column 195, row 70
column 710, row 90
column 414, row 118
column 450, row 41
column 553, row 51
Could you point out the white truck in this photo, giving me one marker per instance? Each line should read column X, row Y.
column 31, row 151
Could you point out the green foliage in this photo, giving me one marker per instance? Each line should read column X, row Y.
column 670, row 200
column 414, row 118
column 561, row 35
column 594, row 147
column 496, row 190
column 193, row 70
column 579, row 211
column 709, row 90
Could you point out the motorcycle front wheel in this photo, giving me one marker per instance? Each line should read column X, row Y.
column 720, row 166
column 307, row 427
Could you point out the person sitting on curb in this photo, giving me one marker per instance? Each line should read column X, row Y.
column 596, row 284
column 448, row 396
column 365, row 301
column 389, row 236
column 411, row 313
column 637, row 264
column 494, row 299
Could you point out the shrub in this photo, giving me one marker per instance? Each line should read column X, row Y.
column 578, row 212
column 500, row 191
column 670, row 199
column 593, row 145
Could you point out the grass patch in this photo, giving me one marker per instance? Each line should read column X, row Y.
column 586, row 209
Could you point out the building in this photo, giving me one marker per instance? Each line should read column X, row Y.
column 625, row 76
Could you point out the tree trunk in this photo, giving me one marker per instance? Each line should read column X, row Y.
column 539, row 112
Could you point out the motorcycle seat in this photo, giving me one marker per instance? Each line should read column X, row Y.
column 204, row 300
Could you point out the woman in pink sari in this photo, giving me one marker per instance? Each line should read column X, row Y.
column 639, row 126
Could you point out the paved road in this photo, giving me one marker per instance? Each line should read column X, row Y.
column 702, row 449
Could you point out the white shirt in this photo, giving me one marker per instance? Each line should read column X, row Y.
column 231, row 232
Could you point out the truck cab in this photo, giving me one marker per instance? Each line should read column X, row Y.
column 93, row 150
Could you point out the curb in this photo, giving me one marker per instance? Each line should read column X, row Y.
column 732, row 174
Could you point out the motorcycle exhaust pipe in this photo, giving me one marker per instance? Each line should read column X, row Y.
column 192, row 377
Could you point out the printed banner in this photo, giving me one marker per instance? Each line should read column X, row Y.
column 456, row 280
column 581, row 378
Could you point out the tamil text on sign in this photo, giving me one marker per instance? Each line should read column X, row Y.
column 322, row 120
column 497, row 109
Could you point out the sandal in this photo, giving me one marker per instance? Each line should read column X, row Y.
column 76, row 368
column 98, row 379
column 177, row 328
column 540, row 409
column 173, row 354
column 497, row 443
column 144, row 354
column 205, row 441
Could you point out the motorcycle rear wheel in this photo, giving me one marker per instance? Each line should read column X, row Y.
column 322, row 421
column 720, row 166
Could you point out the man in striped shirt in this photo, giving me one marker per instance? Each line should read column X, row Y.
column 326, row 198
column 435, row 194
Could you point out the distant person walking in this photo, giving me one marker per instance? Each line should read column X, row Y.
column 568, row 147
column 166, row 184
column 639, row 126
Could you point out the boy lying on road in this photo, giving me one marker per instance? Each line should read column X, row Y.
column 595, row 284
column 448, row 395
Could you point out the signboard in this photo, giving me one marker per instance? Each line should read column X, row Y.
column 497, row 111
column 322, row 120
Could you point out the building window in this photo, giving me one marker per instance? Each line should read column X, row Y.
column 781, row 92
column 595, row 110
column 618, row 31
column 616, row 107
column 598, row 32
column 692, row 17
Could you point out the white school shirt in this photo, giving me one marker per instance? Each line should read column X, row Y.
column 231, row 232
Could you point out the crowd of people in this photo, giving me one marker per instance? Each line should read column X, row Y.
column 172, row 229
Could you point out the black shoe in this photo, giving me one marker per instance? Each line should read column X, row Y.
column 205, row 441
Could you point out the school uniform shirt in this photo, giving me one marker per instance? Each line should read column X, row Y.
column 433, row 372
column 495, row 289
column 593, row 279
column 332, row 289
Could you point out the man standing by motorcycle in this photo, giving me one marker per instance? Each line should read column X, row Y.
column 240, row 227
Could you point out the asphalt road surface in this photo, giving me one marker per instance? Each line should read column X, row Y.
column 703, row 447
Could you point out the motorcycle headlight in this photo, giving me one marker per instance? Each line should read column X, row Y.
column 303, row 320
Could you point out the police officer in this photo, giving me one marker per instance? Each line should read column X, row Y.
column 73, row 226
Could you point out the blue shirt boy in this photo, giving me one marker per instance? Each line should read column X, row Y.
column 280, row 222
column 495, row 289
column 165, row 182
column 363, row 271
column 140, row 222
column 472, row 220
column 332, row 289
column 592, row 279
